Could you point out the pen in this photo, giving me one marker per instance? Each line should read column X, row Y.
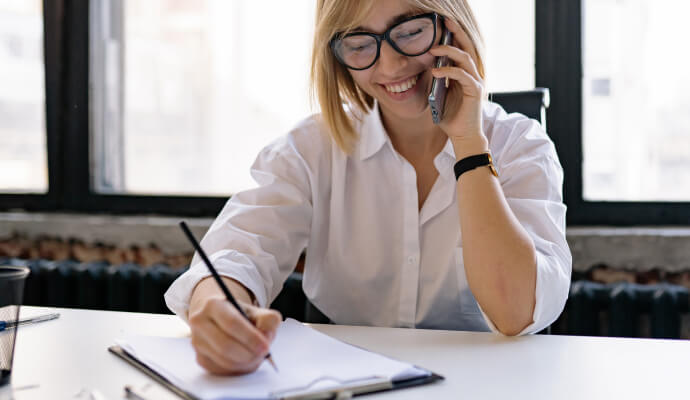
column 219, row 281
column 13, row 324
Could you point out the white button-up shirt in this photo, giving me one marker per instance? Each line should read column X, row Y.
column 373, row 258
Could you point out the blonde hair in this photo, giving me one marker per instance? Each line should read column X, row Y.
column 331, row 82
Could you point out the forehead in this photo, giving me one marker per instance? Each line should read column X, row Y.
column 385, row 13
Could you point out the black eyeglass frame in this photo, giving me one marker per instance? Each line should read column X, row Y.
column 385, row 36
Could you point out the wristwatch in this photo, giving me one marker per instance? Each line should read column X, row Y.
column 475, row 161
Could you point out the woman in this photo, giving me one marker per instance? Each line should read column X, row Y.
column 393, row 238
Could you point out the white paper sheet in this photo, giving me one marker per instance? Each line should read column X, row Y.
column 305, row 358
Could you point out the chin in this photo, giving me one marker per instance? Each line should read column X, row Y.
column 414, row 110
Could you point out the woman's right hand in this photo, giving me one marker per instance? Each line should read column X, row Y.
column 224, row 341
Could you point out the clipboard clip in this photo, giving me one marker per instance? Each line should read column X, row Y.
column 345, row 389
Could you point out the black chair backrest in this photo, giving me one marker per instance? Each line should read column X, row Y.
column 531, row 103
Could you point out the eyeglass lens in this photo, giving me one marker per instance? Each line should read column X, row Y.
column 412, row 38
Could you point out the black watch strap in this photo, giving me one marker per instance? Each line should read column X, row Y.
column 472, row 162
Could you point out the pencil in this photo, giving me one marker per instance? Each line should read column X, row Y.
column 219, row 281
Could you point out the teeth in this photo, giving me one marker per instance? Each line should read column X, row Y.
column 402, row 87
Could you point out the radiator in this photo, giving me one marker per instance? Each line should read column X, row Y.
column 126, row 287
column 593, row 309
column 625, row 310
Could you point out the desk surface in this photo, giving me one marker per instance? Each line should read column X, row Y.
column 69, row 354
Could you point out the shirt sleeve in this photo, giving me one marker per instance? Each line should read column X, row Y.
column 532, row 180
column 258, row 236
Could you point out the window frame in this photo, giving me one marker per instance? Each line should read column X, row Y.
column 66, row 39
column 558, row 32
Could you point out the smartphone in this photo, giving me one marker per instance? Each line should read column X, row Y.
column 439, row 86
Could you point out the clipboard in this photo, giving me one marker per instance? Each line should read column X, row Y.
column 343, row 392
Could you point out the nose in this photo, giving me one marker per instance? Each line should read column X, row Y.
column 390, row 60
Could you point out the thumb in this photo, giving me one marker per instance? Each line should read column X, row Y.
column 265, row 320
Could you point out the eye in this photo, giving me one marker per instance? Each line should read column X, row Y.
column 358, row 48
column 410, row 34
column 358, row 44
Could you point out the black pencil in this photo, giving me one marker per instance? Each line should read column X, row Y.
column 219, row 281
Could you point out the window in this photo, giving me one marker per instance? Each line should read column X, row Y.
column 616, row 113
column 23, row 155
column 188, row 92
column 176, row 99
column 636, row 101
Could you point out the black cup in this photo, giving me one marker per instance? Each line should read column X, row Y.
column 11, row 294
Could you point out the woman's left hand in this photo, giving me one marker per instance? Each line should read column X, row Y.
column 463, row 110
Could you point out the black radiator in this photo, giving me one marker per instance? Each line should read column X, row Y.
column 593, row 309
column 126, row 287
column 624, row 310
column 97, row 285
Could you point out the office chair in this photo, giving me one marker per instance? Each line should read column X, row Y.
column 531, row 103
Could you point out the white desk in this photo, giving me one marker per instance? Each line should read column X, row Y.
column 70, row 353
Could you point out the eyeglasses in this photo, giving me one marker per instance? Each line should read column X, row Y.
column 411, row 37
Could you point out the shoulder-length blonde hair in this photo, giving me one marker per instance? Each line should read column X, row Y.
column 331, row 82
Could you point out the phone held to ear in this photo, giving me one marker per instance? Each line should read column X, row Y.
column 439, row 86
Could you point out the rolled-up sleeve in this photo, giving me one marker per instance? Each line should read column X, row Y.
column 258, row 236
column 532, row 180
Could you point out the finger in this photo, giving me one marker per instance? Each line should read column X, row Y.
column 230, row 321
column 459, row 57
column 218, row 362
column 460, row 38
column 267, row 321
column 209, row 365
column 470, row 86
column 212, row 367
column 224, row 349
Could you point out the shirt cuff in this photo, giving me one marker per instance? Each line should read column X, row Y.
column 179, row 295
column 545, row 294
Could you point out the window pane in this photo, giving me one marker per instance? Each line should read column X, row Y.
column 23, row 155
column 207, row 84
column 636, row 101
column 186, row 92
column 508, row 28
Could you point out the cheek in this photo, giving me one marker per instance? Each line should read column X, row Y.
column 427, row 60
column 361, row 78
column 363, row 81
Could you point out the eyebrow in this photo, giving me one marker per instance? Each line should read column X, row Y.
column 394, row 20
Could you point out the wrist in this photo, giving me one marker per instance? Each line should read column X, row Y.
column 207, row 289
column 466, row 146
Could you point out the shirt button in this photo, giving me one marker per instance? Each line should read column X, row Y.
column 411, row 259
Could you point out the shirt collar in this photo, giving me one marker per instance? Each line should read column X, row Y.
column 448, row 149
column 373, row 135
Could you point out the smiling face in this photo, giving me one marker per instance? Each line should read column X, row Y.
column 399, row 83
